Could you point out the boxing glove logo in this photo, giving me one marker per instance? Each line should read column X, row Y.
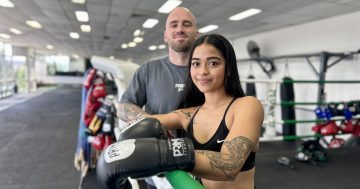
column 178, row 147
column 119, row 150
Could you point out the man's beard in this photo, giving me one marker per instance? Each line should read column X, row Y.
column 180, row 47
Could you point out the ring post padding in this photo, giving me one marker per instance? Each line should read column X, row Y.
column 322, row 81
column 182, row 180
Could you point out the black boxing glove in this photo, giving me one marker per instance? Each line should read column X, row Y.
column 146, row 128
column 138, row 158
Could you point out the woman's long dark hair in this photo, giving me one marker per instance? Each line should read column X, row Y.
column 191, row 95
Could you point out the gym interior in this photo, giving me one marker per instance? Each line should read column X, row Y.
column 299, row 58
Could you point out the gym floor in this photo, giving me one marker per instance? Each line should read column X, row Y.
column 38, row 138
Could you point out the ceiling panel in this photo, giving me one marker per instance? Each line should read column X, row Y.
column 46, row 4
column 237, row 3
column 102, row 9
column 114, row 21
column 130, row 4
column 220, row 12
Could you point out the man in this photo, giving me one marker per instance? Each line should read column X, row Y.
column 157, row 83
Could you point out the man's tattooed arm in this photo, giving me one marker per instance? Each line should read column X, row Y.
column 128, row 112
column 230, row 163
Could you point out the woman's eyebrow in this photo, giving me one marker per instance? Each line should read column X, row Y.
column 213, row 57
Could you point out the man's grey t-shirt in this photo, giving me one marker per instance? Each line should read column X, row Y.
column 157, row 85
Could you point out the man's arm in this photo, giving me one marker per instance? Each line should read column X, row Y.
column 128, row 112
column 129, row 107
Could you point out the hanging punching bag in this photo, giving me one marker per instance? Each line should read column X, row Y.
column 251, row 91
column 287, row 111
column 250, row 87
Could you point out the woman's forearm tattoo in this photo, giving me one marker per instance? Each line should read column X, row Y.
column 238, row 150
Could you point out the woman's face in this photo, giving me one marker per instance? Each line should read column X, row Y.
column 207, row 68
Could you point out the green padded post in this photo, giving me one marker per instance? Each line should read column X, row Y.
column 182, row 180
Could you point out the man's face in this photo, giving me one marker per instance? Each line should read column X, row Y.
column 180, row 31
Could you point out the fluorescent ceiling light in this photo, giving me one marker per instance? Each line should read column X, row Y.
column 5, row 36
column 75, row 56
column 152, row 48
column 244, row 14
column 49, row 47
column 124, row 46
column 74, row 35
column 132, row 44
column 6, row 3
column 78, row 1
column 85, row 28
column 137, row 32
column 112, row 57
column 150, row 23
column 208, row 28
column 15, row 31
column 18, row 58
column 162, row 46
column 33, row 24
column 169, row 5
column 138, row 39
column 82, row 16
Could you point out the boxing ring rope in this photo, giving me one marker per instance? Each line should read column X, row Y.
column 122, row 73
column 178, row 178
column 337, row 118
column 292, row 103
column 270, row 103
column 323, row 81
column 297, row 137
column 299, row 81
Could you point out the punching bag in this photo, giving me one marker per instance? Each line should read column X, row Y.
column 250, row 87
column 287, row 111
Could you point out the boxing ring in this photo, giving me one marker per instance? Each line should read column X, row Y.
column 271, row 100
column 122, row 73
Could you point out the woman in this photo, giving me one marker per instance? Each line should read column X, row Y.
column 223, row 124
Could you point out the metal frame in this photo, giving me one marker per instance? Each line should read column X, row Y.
column 324, row 58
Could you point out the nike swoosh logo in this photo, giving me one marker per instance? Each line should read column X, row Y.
column 220, row 141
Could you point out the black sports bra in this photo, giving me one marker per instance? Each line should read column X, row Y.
column 216, row 141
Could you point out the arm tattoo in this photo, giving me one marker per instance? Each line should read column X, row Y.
column 128, row 112
column 186, row 114
column 238, row 150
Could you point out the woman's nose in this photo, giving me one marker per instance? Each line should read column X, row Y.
column 204, row 69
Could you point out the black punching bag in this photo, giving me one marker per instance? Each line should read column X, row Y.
column 250, row 87
column 287, row 111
